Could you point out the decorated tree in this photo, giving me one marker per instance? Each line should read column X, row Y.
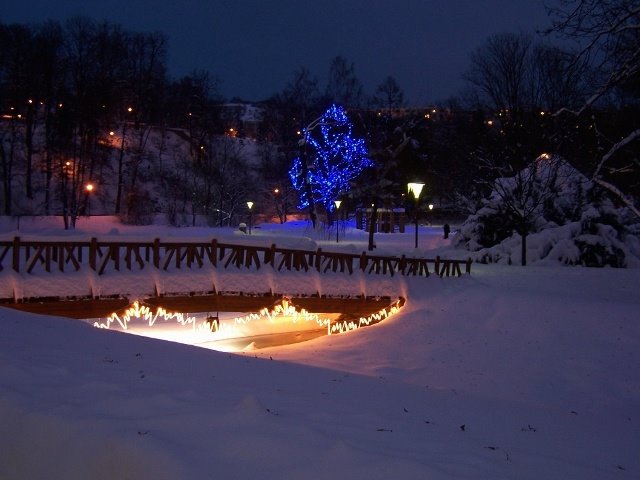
column 329, row 163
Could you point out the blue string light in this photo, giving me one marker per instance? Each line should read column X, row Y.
column 338, row 158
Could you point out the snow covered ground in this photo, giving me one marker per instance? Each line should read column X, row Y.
column 509, row 373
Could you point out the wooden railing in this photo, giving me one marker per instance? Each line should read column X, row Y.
column 101, row 256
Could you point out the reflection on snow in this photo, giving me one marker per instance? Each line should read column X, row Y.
column 282, row 324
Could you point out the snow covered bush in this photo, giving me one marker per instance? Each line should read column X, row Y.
column 561, row 215
column 600, row 239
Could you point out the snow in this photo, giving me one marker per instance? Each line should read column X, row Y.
column 510, row 372
column 568, row 220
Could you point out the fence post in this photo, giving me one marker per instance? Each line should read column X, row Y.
column 214, row 252
column 114, row 251
column 93, row 252
column 402, row 264
column 363, row 261
column 156, row 253
column 16, row 254
column 468, row 269
column 272, row 256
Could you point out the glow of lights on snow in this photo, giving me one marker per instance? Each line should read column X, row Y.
column 212, row 329
column 286, row 310
column 282, row 311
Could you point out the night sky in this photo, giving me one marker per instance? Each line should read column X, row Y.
column 254, row 46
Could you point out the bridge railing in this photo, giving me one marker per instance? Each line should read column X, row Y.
column 35, row 256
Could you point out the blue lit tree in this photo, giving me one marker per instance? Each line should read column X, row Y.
column 331, row 162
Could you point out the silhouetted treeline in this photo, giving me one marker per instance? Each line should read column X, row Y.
column 86, row 101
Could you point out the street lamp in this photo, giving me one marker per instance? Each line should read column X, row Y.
column 280, row 203
column 415, row 188
column 249, row 205
column 337, row 202
column 89, row 188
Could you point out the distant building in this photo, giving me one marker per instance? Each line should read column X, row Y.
column 241, row 119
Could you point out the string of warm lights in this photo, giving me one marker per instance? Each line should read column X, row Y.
column 143, row 312
column 350, row 325
column 282, row 311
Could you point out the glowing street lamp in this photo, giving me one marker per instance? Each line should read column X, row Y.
column 249, row 206
column 338, row 203
column 89, row 188
column 416, row 188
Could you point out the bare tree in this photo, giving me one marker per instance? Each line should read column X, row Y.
column 389, row 94
column 500, row 69
column 517, row 82
column 94, row 54
column 15, row 83
column 608, row 38
column 522, row 196
column 50, row 40
column 395, row 148
column 343, row 86
column 232, row 181
column 9, row 139
column 287, row 112
column 557, row 80
column 302, row 91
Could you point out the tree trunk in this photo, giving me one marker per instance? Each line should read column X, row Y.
column 7, row 169
column 309, row 191
column 6, row 164
column 29, row 127
column 120, row 168
column 48, row 161
column 523, row 252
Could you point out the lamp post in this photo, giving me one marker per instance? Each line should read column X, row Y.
column 89, row 187
column 337, row 202
column 416, row 188
column 249, row 205
column 280, row 205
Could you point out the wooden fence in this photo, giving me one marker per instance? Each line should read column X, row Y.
column 33, row 257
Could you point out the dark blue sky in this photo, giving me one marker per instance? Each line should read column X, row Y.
column 254, row 46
